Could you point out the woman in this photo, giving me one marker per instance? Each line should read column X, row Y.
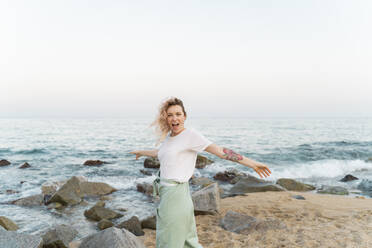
column 175, row 221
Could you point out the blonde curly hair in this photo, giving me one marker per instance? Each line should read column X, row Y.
column 160, row 122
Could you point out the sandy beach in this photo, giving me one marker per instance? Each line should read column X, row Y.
column 318, row 221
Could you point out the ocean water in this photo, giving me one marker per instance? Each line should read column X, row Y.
column 315, row 151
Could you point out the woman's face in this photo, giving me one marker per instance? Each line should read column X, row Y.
column 176, row 119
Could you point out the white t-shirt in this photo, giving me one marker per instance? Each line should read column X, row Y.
column 177, row 155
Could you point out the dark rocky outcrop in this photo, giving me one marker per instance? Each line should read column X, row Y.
column 8, row 224
column 348, row 178
column 98, row 213
column 290, row 184
column 149, row 223
column 4, row 162
column 19, row 240
column 94, row 162
column 59, row 236
column 133, row 225
column 334, row 190
column 207, row 200
column 25, row 165
column 112, row 237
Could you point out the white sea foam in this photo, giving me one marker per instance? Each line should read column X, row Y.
column 323, row 169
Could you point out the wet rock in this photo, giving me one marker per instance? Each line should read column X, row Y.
column 152, row 163
column 298, row 197
column 33, row 200
column 146, row 172
column 334, row 190
column 69, row 194
column 145, row 188
column 202, row 162
column 104, row 224
column 133, row 225
column 112, row 237
column 348, row 178
column 59, row 236
column 238, row 223
column 8, row 224
column 49, row 188
column 149, row 223
column 94, row 162
column 96, row 188
column 19, row 240
column 250, row 184
column 293, row 185
column 207, row 200
column 25, row 165
column 98, row 213
column 4, row 162
column 228, row 175
column 201, row 181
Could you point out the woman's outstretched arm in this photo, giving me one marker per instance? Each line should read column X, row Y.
column 228, row 154
column 148, row 153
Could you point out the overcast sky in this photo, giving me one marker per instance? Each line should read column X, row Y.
column 115, row 59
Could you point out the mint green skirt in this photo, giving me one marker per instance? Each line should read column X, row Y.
column 175, row 220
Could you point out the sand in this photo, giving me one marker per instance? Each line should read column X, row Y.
column 318, row 221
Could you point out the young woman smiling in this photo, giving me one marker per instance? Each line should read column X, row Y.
column 175, row 220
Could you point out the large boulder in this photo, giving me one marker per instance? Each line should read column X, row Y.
column 69, row 194
column 8, row 224
column 96, row 188
column 98, row 213
column 33, row 200
column 293, row 185
column 4, row 162
column 112, row 237
column 59, row 236
column 133, row 225
column 9, row 239
column 334, row 190
column 207, row 200
column 250, row 184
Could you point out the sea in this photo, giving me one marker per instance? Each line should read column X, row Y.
column 315, row 151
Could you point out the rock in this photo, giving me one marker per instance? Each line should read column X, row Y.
column 146, row 172
column 4, row 162
column 202, row 162
column 96, row 188
column 69, row 194
column 33, row 200
column 19, row 240
column 149, row 223
column 238, row 223
column 8, row 224
column 293, row 185
column 151, row 163
column 207, row 200
column 335, row 190
column 104, row 224
column 145, row 188
column 98, row 213
column 100, row 204
column 348, row 178
column 11, row 191
column 228, row 175
column 59, row 236
column 133, row 225
column 25, row 165
column 49, row 188
column 112, row 237
column 298, row 197
column 94, row 162
column 201, row 181
column 250, row 184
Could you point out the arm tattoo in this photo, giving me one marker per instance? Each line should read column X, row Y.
column 231, row 155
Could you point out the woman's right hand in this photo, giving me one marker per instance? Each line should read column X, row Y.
column 138, row 154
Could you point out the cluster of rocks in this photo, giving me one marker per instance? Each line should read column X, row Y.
column 4, row 162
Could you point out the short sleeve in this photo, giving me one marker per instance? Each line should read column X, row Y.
column 198, row 142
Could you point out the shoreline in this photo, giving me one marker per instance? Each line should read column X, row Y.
column 321, row 220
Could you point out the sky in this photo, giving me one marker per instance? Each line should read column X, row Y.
column 249, row 59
